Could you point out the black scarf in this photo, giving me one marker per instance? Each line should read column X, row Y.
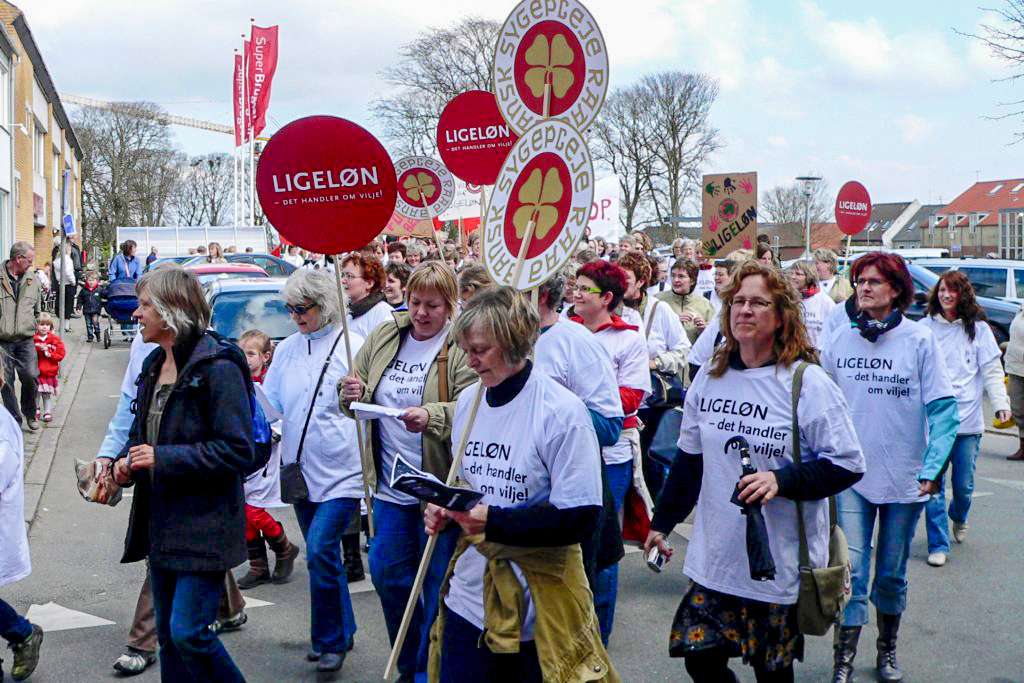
column 872, row 329
column 357, row 309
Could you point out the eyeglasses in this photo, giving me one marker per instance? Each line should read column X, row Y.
column 757, row 305
column 580, row 289
column 300, row 310
column 870, row 282
column 350, row 276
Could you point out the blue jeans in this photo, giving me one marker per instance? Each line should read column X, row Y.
column 394, row 558
column 465, row 657
column 186, row 604
column 619, row 478
column 14, row 628
column 962, row 459
column 896, row 525
column 332, row 621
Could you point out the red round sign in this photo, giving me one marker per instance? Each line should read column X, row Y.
column 853, row 208
column 543, row 194
column 473, row 137
column 326, row 184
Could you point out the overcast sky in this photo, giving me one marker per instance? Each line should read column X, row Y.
column 878, row 91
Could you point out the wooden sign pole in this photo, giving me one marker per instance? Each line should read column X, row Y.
column 430, row 217
column 428, row 552
column 348, row 356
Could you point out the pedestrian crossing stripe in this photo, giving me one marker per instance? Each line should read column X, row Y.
column 53, row 617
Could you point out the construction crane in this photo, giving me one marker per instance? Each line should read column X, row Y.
column 161, row 117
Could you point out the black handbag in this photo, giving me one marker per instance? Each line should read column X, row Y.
column 293, row 483
column 666, row 388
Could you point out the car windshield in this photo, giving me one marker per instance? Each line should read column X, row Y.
column 207, row 278
column 236, row 312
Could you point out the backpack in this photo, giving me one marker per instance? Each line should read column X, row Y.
column 262, row 436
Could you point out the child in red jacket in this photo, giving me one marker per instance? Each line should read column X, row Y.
column 50, row 349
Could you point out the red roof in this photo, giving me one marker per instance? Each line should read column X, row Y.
column 987, row 197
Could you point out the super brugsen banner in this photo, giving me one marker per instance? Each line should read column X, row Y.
column 238, row 98
column 262, row 64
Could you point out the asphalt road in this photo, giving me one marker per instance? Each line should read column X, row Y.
column 962, row 624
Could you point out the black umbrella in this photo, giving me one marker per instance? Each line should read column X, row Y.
column 759, row 553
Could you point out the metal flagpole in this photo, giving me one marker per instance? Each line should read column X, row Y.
column 252, row 143
column 243, row 191
column 234, row 151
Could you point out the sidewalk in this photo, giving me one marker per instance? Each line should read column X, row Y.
column 41, row 446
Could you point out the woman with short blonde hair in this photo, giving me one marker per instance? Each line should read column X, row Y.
column 472, row 280
column 216, row 254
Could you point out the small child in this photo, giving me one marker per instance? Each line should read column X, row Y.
column 263, row 490
column 50, row 349
column 90, row 305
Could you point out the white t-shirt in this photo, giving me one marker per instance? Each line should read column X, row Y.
column 628, row 352
column 401, row 386
column 837, row 319
column 15, row 562
column 538, row 448
column 817, row 309
column 666, row 332
column 631, row 316
column 964, row 362
column 756, row 404
column 368, row 322
column 568, row 353
column 716, row 301
column 705, row 281
column 704, row 347
column 330, row 454
column 827, row 285
column 887, row 384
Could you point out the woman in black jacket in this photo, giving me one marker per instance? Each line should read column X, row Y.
column 188, row 451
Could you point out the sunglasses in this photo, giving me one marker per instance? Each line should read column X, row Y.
column 300, row 310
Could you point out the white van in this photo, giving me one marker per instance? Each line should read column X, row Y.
column 999, row 278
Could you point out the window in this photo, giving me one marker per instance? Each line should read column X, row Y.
column 1018, row 281
column 5, row 97
column 1017, row 187
column 38, row 150
column 6, row 234
column 996, row 189
column 987, row 281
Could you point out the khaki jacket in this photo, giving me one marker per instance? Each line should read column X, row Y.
column 18, row 316
column 566, row 631
column 373, row 358
column 693, row 303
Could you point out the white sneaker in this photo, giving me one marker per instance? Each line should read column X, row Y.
column 959, row 531
column 937, row 559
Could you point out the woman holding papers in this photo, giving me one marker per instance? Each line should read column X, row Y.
column 317, row 436
column 517, row 606
column 410, row 363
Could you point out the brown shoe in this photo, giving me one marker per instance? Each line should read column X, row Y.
column 285, row 554
column 259, row 571
column 1019, row 455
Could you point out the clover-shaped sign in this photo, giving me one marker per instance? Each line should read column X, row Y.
column 542, row 198
column 550, row 61
column 425, row 187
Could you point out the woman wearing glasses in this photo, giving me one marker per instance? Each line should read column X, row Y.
column 905, row 412
column 323, row 440
column 364, row 278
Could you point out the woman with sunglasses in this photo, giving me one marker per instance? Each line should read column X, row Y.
column 904, row 409
column 318, row 435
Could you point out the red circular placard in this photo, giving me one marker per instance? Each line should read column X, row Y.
column 550, row 195
column 412, row 180
column 326, row 184
column 853, row 208
column 550, row 51
column 473, row 137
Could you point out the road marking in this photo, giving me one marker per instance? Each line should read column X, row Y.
column 1012, row 483
column 364, row 586
column 251, row 602
column 982, row 494
column 53, row 617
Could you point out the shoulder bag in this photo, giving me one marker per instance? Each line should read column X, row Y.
column 824, row 591
column 666, row 388
column 293, row 483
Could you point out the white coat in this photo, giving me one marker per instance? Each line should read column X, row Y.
column 14, row 558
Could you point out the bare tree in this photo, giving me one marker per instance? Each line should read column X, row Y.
column 129, row 168
column 786, row 204
column 435, row 67
column 1005, row 38
column 623, row 142
column 189, row 204
column 682, row 136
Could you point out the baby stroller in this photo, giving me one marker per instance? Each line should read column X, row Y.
column 119, row 302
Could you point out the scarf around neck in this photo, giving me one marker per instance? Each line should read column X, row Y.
column 358, row 309
column 872, row 329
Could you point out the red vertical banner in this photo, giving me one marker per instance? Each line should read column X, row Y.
column 239, row 100
column 247, row 90
column 261, row 69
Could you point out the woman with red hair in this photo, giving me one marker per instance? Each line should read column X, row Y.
column 904, row 409
column 599, row 289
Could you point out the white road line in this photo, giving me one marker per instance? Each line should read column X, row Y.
column 53, row 617
column 1012, row 483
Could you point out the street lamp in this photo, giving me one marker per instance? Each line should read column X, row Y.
column 809, row 182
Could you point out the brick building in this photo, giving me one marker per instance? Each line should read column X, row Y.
column 45, row 159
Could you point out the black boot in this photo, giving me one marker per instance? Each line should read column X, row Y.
column 285, row 553
column 845, row 646
column 353, row 557
column 259, row 571
column 888, row 627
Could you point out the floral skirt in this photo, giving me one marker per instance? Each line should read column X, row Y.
column 762, row 633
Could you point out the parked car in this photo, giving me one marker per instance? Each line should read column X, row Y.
column 273, row 265
column 1000, row 313
column 170, row 259
column 999, row 278
column 208, row 272
column 241, row 304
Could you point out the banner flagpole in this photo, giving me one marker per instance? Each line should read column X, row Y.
column 243, row 190
column 428, row 552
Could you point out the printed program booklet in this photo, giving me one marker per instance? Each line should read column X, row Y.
column 428, row 488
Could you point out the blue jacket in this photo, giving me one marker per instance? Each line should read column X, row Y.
column 123, row 268
column 189, row 515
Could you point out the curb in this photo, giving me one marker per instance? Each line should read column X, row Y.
column 40, row 461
